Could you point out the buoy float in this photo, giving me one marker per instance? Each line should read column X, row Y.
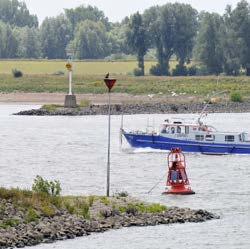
column 177, row 176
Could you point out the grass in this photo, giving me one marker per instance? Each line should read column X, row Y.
column 39, row 76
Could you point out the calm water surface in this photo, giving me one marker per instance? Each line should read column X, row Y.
column 74, row 151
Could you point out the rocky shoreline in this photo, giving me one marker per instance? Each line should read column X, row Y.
column 147, row 108
column 64, row 225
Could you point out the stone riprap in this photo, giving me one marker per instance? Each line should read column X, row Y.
column 63, row 225
column 156, row 108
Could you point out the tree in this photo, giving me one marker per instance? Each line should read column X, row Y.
column 29, row 43
column 186, row 26
column 240, row 24
column 231, row 44
column 8, row 41
column 16, row 13
column 56, row 33
column 136, row 39
column 172, row 29
column 209, row 42
column 83, row 13
column 90, row 40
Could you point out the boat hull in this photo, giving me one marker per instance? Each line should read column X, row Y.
column 165, row 143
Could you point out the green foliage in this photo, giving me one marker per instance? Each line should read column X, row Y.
column 10, row 222
column 71, row 209
column 51, row 107
column 155, row 208
column 209, row 42
column 84, row 211
column 137, row 41
column 58, row 73
column 156, row 70
column 84, row 102
column 104, row 200
column 16, row 13
column 52, row 188
column 90, row 41
column 31, row 216
column 47, row 209
column 180, row 70
column 138, row 72
column 236, row 97
column 91, row 200
column 17, row 73
column 122, row 194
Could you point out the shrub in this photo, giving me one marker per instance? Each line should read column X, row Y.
column 138, row 72
column 58, row 73
column 51, row 107
column 180, row 70
column 16, row 73
column 52, row 188
column 31, row 216
column 84, row 102
column 236, row 97
column 192, row 71
column 85, row 210
column 156, row 70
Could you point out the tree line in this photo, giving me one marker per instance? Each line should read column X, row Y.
column 221, row 43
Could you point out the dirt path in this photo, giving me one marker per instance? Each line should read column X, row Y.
column 116, row 98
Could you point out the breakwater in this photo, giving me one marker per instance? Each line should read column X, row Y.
column 63, row 225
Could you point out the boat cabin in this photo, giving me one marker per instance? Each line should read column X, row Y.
column 200, row 133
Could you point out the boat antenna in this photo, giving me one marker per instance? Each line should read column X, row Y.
column 206, row 105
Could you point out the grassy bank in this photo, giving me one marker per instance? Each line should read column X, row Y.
column 183, row 86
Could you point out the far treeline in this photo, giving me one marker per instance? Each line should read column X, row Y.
column 220, row 43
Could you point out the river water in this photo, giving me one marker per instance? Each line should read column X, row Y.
column 74, row 151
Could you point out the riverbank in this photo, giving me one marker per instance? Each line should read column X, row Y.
column 145, row 108
column 28, row 219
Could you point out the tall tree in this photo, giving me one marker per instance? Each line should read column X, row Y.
column 16, row 13
column 231, row 44
column 137, row 40
column 90, row 40
column 172, row 29
column 83, row 13
column 186, row 26
column 240, row 23
column 56, row 33
column 29, row 43
column 209, row 42
column 8, row 41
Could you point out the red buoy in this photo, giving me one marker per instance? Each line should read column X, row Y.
column 177, row 176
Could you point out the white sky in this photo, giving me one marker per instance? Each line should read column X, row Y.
column 116, row 10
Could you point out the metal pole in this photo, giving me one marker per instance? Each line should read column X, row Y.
column 70, row 82
column 108, row 164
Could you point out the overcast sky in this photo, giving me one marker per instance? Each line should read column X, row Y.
column 116, row 10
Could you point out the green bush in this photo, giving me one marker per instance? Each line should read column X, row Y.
column 236, row 97
column 52, row 188
column 16, row 73
column 180, row 70
column 138, row 72
column 156, row 70
column 31, row 216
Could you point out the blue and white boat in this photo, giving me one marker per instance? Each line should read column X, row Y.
column 190, row 136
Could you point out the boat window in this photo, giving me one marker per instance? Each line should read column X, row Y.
column 210, row 137
column 229, row 138
column 199, row 137
column 172, row 130
column 164, row 130
column 186, row 129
